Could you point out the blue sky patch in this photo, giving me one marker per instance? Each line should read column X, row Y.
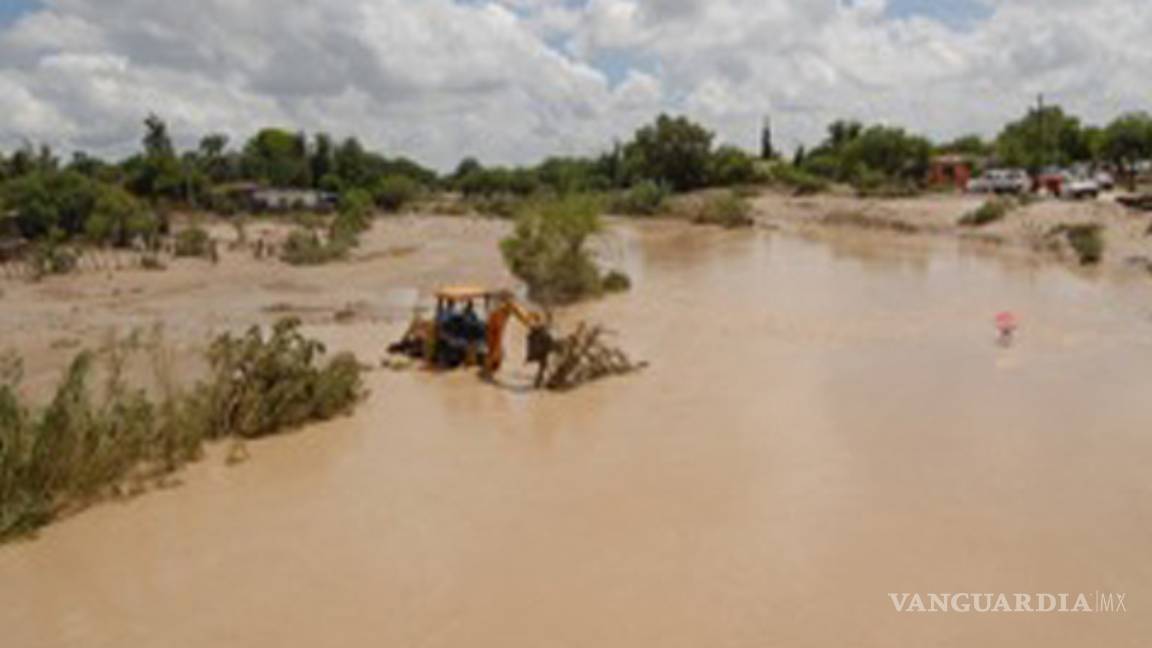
column 956, row 13
column 10, row 10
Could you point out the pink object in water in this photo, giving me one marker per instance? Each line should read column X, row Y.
column 1006, row 322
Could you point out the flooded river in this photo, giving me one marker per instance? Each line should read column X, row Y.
column 824, row 422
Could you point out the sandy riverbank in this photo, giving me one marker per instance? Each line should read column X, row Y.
column 1126, row 233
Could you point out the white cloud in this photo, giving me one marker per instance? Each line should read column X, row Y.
column 513, row 80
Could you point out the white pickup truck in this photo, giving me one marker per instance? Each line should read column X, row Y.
column 1002, row 181
column 1077, row 187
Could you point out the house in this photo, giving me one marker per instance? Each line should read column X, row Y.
column 954, row 171
column 290, row 199
column 255, row 197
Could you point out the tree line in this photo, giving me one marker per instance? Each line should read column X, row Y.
column 116, row 202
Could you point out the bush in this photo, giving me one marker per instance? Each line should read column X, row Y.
column 499, row 206
column 51, row 258
column 616, row 281
column 344, row 233
column 65, row 204
column 193, row 242
column 870, row 183
column 305, row 247
column 395, row 191
column 479, row 181
column 646, row 198
column 991, row 211
column 151, row 261
column 45, row 203
column 356, row 205
column 725, row 209
column 798, row 180
column 1086, row 241
column 548, row 250
column 353, row 219
column 731, row 166
column 89, row 443
column 262, row 385
column 119, row 219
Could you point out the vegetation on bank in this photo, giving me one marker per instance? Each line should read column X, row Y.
column 550, row 251
column 724, row 208
column 1086, row 241
column 99, row 435
column 193, row 242
column 61, row 206
column 992, row 211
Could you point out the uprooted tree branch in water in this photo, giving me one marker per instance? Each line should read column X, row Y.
column 583, row 357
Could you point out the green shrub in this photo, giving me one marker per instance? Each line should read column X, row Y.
column 395, row 191
column 616, row 281
column 49, row 202
column 549, row 252
column 874, row 184
column 798, row 180
column 499, row 205
column 118, row 218
column 305, row 248
column 95, row 437
column 356, row 206
column 151, row 261
column 344, row 233
column 353, row 219
column 991, row 211
column 731, row 166
column 51, row 258
column 1087, row 241
column 725, row 209
column 261, row 384
column 193, row 242
column 646, row 198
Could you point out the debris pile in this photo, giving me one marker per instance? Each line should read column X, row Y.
column 1141, row 202
column 584, row 357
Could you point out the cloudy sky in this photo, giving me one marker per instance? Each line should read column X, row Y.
column 515, row 80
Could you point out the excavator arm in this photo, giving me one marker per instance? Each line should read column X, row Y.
column 498, row 323
column 530, row 319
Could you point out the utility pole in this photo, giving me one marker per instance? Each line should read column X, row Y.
column 1043, row 131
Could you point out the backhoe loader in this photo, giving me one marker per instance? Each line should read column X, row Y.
column 467, row 330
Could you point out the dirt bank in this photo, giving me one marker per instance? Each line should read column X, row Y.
column 1128, row 247
column 397, row 262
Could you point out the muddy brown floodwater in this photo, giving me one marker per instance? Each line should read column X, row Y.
column 824, row 422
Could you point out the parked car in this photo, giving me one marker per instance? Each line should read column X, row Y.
column 1077, row 187
column 1002, row 181
column 1106, row 180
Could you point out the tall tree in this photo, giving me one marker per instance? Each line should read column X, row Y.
column 1045, row 136
column 323, row 162
column 674, row 151
column 1128, row 140
column 767, row 150
column 213, row 158
column 278, row 157
column 157, row 173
